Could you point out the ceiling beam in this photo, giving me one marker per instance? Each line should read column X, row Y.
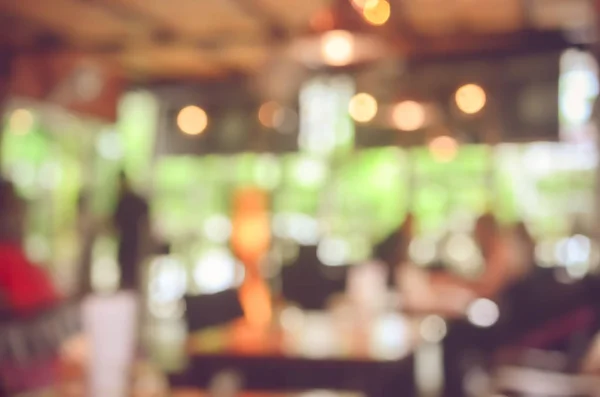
column 401, row 23
column 122, row 11
column 461, row 45
column 475, row 45
column 277, row 30
column 72, row 19
column 156, row 27
column 59, row 44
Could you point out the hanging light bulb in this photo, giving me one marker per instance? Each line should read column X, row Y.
column 362, row 107
column 377, row 13
column 337, row 47
column 470, row 98
column 408, row 116
column 192, row 120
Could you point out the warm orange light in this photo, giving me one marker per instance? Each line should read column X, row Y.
column 337, row 47
column 251, row 235
column 256, row 302
column 408, row 116
column 243, row 338
column 21, row 121
column 377, row 13
column 443, row 148
column 362, row 107
column 250, row 240
column 192, row 120
column 267, row 113
column 470, row 98
column 362, row 4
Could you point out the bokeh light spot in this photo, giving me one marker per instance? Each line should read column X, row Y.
column 192, row 120
column 470, row 98
column 337, row 47
column 377, row 13
column 408, row 116
column 362, row 107
column 443, row 148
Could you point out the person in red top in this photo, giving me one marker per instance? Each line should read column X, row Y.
column 24, row 287
column 28, row 302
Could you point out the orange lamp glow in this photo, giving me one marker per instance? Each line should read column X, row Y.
column 470, row 98
column 250, row 239
column 443, row 148
column 377, row 13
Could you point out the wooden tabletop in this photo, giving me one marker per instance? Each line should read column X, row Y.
column 309, row 393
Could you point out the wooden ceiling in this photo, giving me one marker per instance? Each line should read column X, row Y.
column 178, row 39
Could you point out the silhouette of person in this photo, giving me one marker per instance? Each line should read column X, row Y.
column 132, row 222
column 393, row 250
column 306, row 283
column 88, row 230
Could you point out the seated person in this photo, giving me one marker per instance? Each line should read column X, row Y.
column 33, row 325
column 23, row 285
column 541, row 315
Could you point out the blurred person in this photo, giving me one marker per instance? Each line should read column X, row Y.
column 24, row 286
column 132, row 221
column 367, row 290
column 549, row 320
column 467, row 347
column 88, row 229
column 308, row 283
column 546, row 325
column 33, row 325
column 135, row 244
column 440, row 292
column 444, row 293
column 393, row 250
column 496, row 249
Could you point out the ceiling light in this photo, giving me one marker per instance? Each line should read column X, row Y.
column 408, row 116
column 337, row 47
column 470, row 98
column 192, row 120
column 377, row 13
column 362, row 107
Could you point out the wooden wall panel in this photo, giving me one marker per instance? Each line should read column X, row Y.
column 76, row 20
column 82, row 84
